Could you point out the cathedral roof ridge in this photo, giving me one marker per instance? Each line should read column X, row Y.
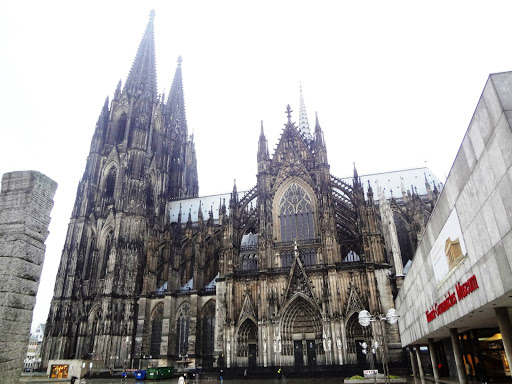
column 206, row 203
column 393, row 180
column 396, row 171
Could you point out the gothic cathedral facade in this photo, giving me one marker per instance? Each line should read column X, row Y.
column 275, row 276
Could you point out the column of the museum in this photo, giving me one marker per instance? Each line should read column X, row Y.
column 457, row 352
column 505, row 329
column 433, row 358
column 413, row 360
column 420, row 366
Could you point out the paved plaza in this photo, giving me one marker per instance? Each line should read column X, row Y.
column 337, row 380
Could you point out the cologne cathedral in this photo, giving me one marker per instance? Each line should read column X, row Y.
column 152, row 274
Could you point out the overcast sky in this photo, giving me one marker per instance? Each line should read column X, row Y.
column 395, row 83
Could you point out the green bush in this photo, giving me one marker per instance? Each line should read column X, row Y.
column 357, row 377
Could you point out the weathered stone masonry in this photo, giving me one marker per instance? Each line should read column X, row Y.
column 26, row 200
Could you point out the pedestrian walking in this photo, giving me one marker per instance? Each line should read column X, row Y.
column 469, row 371
column 481, row 372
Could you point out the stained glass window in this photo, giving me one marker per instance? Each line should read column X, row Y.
column 296, row 214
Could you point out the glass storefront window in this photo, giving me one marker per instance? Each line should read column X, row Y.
column 493, row 353
column 483, row 354
column 59, row 371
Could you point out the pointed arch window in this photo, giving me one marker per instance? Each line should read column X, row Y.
column 93, row 332
column 208, row 330
column 88, row 264
column 182, row 329
column 109, row 241
column 156, row 331
column 121, row 129
column 296, row 214
column 110, row 184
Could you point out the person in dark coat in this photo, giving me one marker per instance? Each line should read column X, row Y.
column 481, row 372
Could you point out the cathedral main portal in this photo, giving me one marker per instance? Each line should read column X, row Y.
column 301, row 329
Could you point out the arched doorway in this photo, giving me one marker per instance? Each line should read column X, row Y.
column 301, row 330
column 247, row 344
column 356, row 334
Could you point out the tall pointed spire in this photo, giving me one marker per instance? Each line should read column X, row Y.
column 142, row 78
column 176, row 102
column 303, row 119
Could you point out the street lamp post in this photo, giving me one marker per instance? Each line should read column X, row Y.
column 365, row 318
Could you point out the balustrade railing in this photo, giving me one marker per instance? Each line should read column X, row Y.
column 283, row 244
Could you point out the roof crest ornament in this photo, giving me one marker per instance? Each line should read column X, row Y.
column 288, row 112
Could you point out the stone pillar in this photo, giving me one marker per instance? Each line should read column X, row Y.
column 457, row 352
column 26, row 200
column 420, row 366
column 433, row 358
column 413, row 360
column 505, row 329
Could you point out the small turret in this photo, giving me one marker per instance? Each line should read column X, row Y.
column 404, row 193
column 100, row 132
column 320, row 148
column 234, row 195
column 200, row 213
column 189, row 219
column 179, row 215
column 117, row 93
column 429, row 189
column 356, row 182
column 369, row 194
column 262, row 146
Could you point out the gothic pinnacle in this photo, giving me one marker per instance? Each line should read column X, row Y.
column 200, row 212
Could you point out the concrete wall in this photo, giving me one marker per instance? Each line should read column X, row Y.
column 479, row 186
column 26, row 200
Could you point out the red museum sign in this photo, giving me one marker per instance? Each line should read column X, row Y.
column 461, row 291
